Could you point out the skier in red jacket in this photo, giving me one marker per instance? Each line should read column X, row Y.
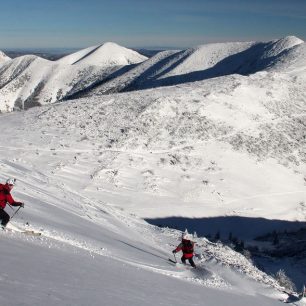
column 5, row 197
column 187, row 247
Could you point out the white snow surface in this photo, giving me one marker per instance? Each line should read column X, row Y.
column 29, row 80
column 70, row 59
column 209, row 61
column 3, row 57
column 91, row 170
column 207, row 56
column 92, row 253
column 107, row 54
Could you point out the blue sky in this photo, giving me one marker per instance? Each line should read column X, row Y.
column 146, row 23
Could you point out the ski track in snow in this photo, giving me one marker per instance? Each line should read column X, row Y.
column 54, row 239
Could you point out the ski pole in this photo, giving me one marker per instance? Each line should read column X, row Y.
column 10, row 206
column 15, row 213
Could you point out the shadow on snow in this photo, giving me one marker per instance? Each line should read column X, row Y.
column 241, row 227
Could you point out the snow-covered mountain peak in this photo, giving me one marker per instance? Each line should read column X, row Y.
column 287, row 55
column 278, row 46
column 107, row 54
column 289, row 41
column 232, row 56
column 110, row 44
column 206, row 56
column 113, row 54
column 106, row 68
column 3, row 57
column 76, row 56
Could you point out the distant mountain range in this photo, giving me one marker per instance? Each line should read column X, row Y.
column 30, row 80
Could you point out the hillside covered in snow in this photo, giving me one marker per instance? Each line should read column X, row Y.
column 107, row 54
column 3, row 58
column 28, row 81
column 211, row 139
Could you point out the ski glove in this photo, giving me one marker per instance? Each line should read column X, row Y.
column 20, row 204
column 174, row 251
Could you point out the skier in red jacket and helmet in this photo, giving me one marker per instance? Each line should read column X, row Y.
column 187, row 247
column 5, row 197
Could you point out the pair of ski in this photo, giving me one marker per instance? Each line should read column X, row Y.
column 181, row 265
column 25, row 232
column 31, row 233
column 15, row 229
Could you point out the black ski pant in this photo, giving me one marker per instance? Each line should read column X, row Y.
column 4, row 217
column 183, row 259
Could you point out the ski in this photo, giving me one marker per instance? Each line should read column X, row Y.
column 31, row 233
column 21, row 231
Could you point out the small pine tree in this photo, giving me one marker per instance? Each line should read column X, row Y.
column 247, row 254
column 284, row 280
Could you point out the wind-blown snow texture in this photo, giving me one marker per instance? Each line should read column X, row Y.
column 89, row 171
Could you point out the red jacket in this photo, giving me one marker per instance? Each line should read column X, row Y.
column 186, row 246
column 5, row 196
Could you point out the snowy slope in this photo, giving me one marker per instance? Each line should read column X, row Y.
column 225, row 153
column 29, row 81
column 92, row 253
column 3, row 57
column 209, row 61
column 76, row 56
column 185, row 149
column 207, row 56
column 293, row 61
column 146, row 70
column 107, row 54
column 235, row 57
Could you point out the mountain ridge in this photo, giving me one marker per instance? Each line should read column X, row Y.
column 109, row 68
